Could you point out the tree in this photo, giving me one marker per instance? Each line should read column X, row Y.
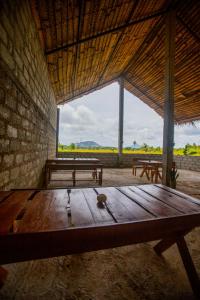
column 145, row 147
column 186, row 149
column 72, row 146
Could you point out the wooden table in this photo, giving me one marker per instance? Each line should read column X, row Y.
column 151, row 169
column 40, row 224
column 74, row 165
column 61, row 160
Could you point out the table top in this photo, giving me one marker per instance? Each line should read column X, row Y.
column 74, row 166
column 151, row 162
column 72, row 160
column 73, row 220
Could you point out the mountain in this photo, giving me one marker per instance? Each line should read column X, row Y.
column 87, row 144
column 135, row 146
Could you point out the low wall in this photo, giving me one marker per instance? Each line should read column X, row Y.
column 111, row 160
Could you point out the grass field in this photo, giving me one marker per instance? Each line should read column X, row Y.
column 191, row 151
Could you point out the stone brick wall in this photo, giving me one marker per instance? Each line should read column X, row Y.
column 27, row 102
column 111, row 160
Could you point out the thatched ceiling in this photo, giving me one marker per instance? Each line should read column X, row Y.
column 90, row 43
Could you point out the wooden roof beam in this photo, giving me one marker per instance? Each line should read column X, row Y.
column 150, row 35
column 143, row 93
column 197, row 38
column 121, row 27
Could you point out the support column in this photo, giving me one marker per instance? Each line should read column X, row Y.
column 168, row 131
column 57, row 130
column 121, row 119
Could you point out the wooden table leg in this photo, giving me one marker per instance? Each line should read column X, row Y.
column 100, row 177
column 189, row 266
column 3, row 276
column 74, row 177
column 46, row 177
column 145, row 171
column 186, row 258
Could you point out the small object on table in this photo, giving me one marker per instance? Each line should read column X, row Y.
column 101, row 200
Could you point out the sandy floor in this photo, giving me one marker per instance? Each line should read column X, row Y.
column 133, row 272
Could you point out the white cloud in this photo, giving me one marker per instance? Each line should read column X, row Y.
column 81, row 123
column 95, row 117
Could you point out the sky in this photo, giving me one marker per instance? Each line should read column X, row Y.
column 94, row 117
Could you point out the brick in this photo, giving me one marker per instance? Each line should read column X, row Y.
column 15, row 145
column 2, row 95
column 2, row 128
column 7, row 57
column 4, row 112
column 4, row 177
column 4, row 145
column 12, row 131
column 3, row 35
column 19, row 159
column 8, row 160
column 11, row 102
column 25, row 124
column 21, row 109
column 14, row 173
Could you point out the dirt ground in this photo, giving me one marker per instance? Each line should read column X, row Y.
column 131, row 272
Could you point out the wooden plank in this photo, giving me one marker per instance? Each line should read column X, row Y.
column 170, row 199
column 153, row 205
column 47, row 211
column 11, row 208
column 180, row 194
column 26, row 246
column 121, row 207
column 4, row 195
column 80, row 211
column 100, row 215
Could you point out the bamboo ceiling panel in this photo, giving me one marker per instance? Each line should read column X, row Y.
column 90, row 43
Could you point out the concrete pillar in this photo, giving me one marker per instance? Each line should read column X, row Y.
column 57, row 130
column 121, row 119
column 168, row 131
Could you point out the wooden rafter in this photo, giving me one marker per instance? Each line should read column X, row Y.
column 121, row 27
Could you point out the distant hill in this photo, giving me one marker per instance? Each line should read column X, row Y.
column 135, row 146
column 87, row 144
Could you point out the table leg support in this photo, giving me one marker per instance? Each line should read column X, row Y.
column 189, row 265
column 164, row 245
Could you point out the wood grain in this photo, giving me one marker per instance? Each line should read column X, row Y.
column 47, row 211
column 11, row 208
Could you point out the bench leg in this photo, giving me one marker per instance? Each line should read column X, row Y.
column 189, row 266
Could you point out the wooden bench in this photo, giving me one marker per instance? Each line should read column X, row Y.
column 97, row 170
column 40, row 224
column 135, row 166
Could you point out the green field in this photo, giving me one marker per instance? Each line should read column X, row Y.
column 192, row 150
